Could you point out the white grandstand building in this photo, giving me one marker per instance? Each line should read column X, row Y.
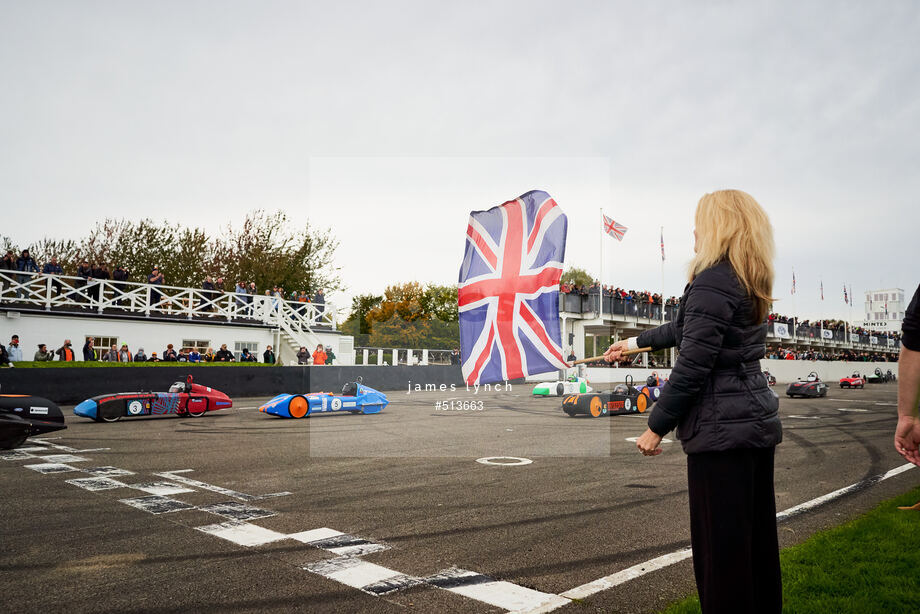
column 884, row 310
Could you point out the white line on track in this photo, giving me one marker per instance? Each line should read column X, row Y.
column 851, row 409
column 631, row 573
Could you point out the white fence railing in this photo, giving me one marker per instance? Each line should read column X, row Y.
column 64, row 293
column 401, row 356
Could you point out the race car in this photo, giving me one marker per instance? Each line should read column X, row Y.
column 184, row 399
column 572, row 385
column 22, row 416
column 624, row 399
column 880, row 378
column 811, row 386
column 356, row 398
column 653, row 386
column 854, row 381
column 771, row 379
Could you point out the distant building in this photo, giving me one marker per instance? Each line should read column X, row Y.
column 884, row 310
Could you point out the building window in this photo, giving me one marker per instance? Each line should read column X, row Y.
column 201, row 345
column 239, row 346
column 103, row 344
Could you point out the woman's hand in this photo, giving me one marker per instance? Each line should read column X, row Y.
column 615, row 352
column 907, row 438
column 648, row 444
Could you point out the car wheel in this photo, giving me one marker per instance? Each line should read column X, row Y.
column 299, row 407
column 560, row 389
column 642, row 402
column 597, row 407
column 197, row 412
column 109, row 418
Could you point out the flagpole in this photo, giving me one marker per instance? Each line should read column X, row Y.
column 600, row 280
column 662, row 274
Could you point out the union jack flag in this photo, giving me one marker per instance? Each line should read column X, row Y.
column 846, row 298
column 614, row 230
column 509, row 290
column 662, row 243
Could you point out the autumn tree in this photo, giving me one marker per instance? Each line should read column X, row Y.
column 577, row 277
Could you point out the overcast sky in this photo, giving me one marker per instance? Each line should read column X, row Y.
column 390, row 121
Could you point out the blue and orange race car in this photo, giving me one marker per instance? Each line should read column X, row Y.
column 356, row 398
column 184, row 398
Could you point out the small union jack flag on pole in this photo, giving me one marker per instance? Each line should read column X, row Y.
column 662, row 243
column 846, row 298
column 822, row 289
column 793, row 282
column 613, row 229
column 509, row 290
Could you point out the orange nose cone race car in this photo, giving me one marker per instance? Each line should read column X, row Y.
column 623, row 399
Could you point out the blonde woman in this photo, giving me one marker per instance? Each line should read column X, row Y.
column 719, row 401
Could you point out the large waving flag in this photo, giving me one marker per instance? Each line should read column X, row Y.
column 509, row 290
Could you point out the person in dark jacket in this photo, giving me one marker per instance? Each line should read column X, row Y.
column 725, row 413
column 907, row 432
column 52, row 267
column 223, row 354
column 268, row 356
column 26, row 264
column 89, row 352
column 120, row 275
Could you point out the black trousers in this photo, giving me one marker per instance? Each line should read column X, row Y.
column 733, row 531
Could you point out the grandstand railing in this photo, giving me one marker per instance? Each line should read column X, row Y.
column 614, row 305
column 103, row 296
column 781, row 331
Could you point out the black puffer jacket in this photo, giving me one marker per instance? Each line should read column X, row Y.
column 717, row 397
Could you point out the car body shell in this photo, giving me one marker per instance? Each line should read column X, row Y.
column 22, row 416
column 562, row 387
column 360, row 399
column 880, row 378
column 183, row 398
column 811, row 386
column 854, row 381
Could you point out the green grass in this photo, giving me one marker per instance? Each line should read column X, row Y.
column 31, row 364
column 871, row 564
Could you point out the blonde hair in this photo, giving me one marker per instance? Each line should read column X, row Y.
column 731, row 225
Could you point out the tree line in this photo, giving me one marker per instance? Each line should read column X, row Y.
column 266, row 249
column 407, row 314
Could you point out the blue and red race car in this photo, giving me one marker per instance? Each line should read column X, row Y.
column 355, row 398
column 184, row 398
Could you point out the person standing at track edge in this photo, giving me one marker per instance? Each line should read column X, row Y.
column 725, row 413
column 907, row 433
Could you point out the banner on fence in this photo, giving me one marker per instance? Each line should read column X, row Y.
column 827, row 334
column 781, row 330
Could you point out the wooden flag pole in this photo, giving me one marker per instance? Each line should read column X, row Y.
column 601, row 357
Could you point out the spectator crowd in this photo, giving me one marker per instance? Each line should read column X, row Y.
column 13, row 352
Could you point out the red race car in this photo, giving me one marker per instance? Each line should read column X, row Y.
column 183, row 398
column 854, row 381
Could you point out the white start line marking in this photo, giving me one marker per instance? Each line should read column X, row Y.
column 171, row 475
column 852, row 409
column 635, row 439
column 504, row 461
column 805, row 417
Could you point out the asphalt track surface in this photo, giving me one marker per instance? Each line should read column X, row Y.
column 406, row 491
